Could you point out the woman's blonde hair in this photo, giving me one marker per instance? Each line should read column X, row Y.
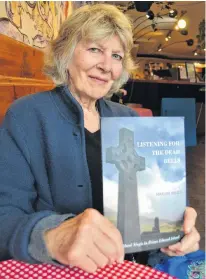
column 89, row 22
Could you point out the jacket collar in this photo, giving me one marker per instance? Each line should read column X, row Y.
column 70, row 109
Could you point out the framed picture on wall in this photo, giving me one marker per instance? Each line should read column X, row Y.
column 182, row 72
column 191, row 72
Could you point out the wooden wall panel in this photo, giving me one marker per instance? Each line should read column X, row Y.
column 20, row 72
column 19, row 59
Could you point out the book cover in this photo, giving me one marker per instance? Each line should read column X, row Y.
column 144, row 179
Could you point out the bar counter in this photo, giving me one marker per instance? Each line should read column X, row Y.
column 149, row 93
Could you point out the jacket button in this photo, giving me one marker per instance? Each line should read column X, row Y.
column 75, row 134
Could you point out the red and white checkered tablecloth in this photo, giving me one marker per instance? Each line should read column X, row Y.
column 12, row 269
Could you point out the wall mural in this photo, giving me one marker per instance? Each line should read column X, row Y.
column 33, row 22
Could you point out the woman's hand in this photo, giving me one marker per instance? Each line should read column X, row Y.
column 88, row 241
column 190, row 242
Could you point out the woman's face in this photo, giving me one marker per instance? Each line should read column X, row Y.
column 95, row 66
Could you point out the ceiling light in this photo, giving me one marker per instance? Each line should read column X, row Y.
column 168, row 37
column 154, row 27
column 176, row 27
column 195, row 53
column 159, row 48
column 190, row 42
column 173, row 13
column 181, row 23
column 184, row 32
column 150, row 15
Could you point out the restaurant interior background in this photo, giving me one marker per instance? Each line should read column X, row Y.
column 169, row 52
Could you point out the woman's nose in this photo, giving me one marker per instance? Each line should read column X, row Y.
column 106, row 64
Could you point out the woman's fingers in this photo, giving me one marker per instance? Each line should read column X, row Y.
column 98, row 257
column 189, row 219
column 189, row 241
column 188, row 244
column 88, row 265
column 96, row 232
column 105, row 245
column 88, row 241
column 171, row 253
column 175, row 247
column 77, row 254
column 82, row 261
column 113, row 233
column 108, row 231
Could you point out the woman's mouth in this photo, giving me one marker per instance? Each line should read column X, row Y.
column 98, row 80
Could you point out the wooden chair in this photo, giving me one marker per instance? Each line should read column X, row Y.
column 139, row 109
column 20, row 72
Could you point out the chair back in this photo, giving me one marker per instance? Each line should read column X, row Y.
column 133, row 105
column 182, row 107
column 20, row 72
column 143, row 111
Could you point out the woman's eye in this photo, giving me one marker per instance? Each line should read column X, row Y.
column 94, row 49
column 117, row 56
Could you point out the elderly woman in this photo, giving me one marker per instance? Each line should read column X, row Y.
column 50, row 163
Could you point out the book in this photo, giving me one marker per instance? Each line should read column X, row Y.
column 12, row 269
column 144, row 179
